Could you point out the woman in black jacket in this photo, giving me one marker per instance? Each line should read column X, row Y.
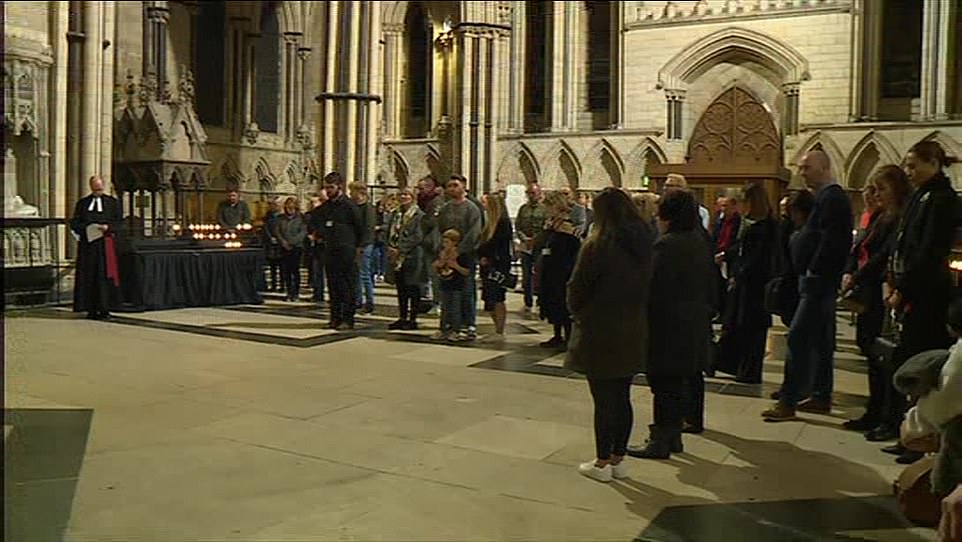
column 919, row 284
column 751, row 261
column 863, row 277
column 556, row 251
column 682, row 303
column 494, row 255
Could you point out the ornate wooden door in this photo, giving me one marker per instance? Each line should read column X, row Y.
column 736, row 132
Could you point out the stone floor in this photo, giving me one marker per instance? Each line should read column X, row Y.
column 254, row 423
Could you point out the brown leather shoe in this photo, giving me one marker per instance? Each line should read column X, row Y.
column 779, row 413
column 815, row 407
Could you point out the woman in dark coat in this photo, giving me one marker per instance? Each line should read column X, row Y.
column 751, row 261
column 608, row 302
column 681, row 305
column 407, row 264
column 865, row 274
column 556, row 250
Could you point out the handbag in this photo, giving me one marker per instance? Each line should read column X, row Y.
column 507, row 280
column 855, row 300
column 913, row 491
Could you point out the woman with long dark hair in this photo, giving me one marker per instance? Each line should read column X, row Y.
column 682, row 303
column 608, row 302
column 863, row 281
column 751, row 264
column 918, row 285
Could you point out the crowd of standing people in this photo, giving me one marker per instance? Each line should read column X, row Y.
column 632, row 284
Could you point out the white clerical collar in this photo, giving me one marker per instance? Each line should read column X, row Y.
column 95, row 203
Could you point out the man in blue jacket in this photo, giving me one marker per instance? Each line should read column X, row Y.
column 811, row 335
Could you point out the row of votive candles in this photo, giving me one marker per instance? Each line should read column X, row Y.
column 233, row 244
column 209, row 227
column 215, row 236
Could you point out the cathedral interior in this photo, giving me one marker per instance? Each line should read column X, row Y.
column 253, row 423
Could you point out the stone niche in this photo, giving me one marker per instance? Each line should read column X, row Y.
column 160, row 168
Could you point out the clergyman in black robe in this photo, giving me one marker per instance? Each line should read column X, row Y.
column 97, row 283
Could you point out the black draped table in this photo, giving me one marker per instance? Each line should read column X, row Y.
column 167, row 277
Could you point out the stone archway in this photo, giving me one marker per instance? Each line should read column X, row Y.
column 735, row 141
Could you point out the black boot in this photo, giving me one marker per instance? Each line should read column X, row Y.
column 658, row 446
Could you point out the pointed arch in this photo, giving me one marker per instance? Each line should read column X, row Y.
column 432, row 159
column 569, row 166
column 606, row 166
column 519, row 163
column 952, row 147
column 727, row 43
column 231, row 173
column 400, row 168
column 871, row 152
column 824, row 142
column 262, row 172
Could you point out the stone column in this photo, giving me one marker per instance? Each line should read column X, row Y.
column 352, row 42
column 107, row 48
column 938, row 18
column 866, row 60
column 616, row 106
column 674, row 122
column 329, row 85
column 249, row 77
column 375, row 86
column 291, row 86
column 790, row 114
column 91, row 119
column 302, row 117
column 237, row 79
column 393, row 35
column 516, row 72
column 560, row 74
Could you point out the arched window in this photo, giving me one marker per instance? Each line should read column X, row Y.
column 537, row 66
column 267, row 60
column 418, row 78
column 209, row 63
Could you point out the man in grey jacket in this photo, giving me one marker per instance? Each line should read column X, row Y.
column 462, row 215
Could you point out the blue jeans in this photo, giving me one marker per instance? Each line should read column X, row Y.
column 378, row 258
column 469, row 301
column 811, row 343
column 527, row 268
column 451, row 310
column 365, row 283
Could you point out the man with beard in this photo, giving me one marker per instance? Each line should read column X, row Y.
column 339, row 224
column 96, row 221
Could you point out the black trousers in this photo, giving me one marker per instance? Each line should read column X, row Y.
column 408, row 297
column 868, row 327
column 742, row 351
column 341, row 267
column 291, row 271
column 613, row 415
column 923, row 328
column 677, row 399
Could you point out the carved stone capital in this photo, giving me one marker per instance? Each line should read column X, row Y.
column 304, row 53
column 251, row 133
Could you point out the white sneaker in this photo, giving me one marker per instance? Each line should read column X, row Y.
column 440, row 336
column 620, row 471
column 457, row 337
column 601, row 474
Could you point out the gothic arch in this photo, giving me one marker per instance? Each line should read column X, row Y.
column 869, row 153
column 605, row 162
column 263, row 174
column 401, row 168
column 393, row 13
column 825, row 143
column 638, row 160
column 519, row 163
column 951, row 146
column 564, row 168
column 231, row 174
column 434, row 163
column 729, row 42
column 294, row 18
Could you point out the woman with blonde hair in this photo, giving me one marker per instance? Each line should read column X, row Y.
column 407, row 264
column 647, row 204
column 495, row 258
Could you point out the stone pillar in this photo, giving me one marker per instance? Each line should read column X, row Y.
column 866, row 60
column 473, row 148
column 292, row 87
column 616, row 106
column 329, row 81
column 91, row 134
column 302, row 117
column 249, row 77
column 155, row 43
column 674, row 122
column 938, row 17
column 516, row 72
column 106, row 68
column 375, row 86
column 352, row 41
column 790, row 114
column 237, row 79
column 393, row 61
column 560, row 74
column 74, row 86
